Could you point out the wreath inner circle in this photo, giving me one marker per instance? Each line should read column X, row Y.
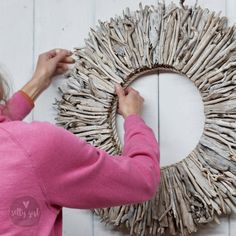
column 131, row 78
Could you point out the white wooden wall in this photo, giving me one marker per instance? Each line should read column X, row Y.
column 173, row 106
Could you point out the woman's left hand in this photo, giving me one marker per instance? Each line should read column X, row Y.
column 52, row 63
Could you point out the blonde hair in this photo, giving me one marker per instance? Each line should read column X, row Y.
column 4, row 89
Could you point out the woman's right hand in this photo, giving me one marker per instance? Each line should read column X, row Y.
column 130, row 102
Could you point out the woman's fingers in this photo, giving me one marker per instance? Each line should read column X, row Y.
column 60, row 58
column 61, row 68
column 63, row 51
column 61, row 55
column 124, row 92
column 48, row 55
column 119, row 90
column 57, row 54
column 131, row 102
column 68, row 60
column 130, row 89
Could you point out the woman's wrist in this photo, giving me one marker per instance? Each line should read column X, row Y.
column 27, row 97
column 130, row 114
column 35, row 87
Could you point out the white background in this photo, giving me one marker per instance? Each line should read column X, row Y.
column 173, row 106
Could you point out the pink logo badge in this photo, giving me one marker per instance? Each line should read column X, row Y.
column 25, row 211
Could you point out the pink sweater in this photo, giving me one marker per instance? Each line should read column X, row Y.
column 44, row 168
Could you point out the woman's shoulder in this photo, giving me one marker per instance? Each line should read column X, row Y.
column 40, row 136
column 35, row 134
column 21, row 127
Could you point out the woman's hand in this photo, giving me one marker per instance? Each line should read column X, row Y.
column 52, row 63
column 130, row 102
column 49, row 64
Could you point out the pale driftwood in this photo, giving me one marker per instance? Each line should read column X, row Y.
column 186, row 40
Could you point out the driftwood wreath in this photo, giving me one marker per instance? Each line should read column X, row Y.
column 187, row 40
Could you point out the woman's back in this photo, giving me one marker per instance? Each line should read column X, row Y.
column 23, row 208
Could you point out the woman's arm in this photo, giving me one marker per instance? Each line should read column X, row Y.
column 75, row 174
column 49, row 64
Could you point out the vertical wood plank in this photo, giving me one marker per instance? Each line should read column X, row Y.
column 223, row 228
column 182, row 118
column 230, row 13
column 147, row 86
column 59, row 24
column 16, row 29
column 62, row 24
column 77, row 222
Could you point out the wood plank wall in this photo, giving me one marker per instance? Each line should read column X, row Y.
column 173, row 106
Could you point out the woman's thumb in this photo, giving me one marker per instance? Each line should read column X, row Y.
column 119, row 90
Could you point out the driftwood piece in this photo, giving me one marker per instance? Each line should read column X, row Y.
column 187, row 40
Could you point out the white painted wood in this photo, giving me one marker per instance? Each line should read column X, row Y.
column 77, row 222
column 223, row 228
column 146, row 85
column 105, row 9
column 182, row 118
column 230, row 13
column 16, row 42
column 65, row 23
column 59, row 24
column 213, row 229
column 214, row 5
column 62, row 24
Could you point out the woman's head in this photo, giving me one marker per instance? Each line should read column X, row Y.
column 4, row 89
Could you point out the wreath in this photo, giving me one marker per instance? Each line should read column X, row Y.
column 187, row 40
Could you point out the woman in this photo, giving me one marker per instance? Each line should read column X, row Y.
column 44, row 167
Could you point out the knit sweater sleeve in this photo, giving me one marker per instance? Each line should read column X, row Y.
column 18, row 106
column 75, row 174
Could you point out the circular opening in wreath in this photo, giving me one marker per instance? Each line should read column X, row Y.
column 174, row 109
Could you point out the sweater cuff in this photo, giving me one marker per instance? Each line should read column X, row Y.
column 27, row 97
column 132, row 120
